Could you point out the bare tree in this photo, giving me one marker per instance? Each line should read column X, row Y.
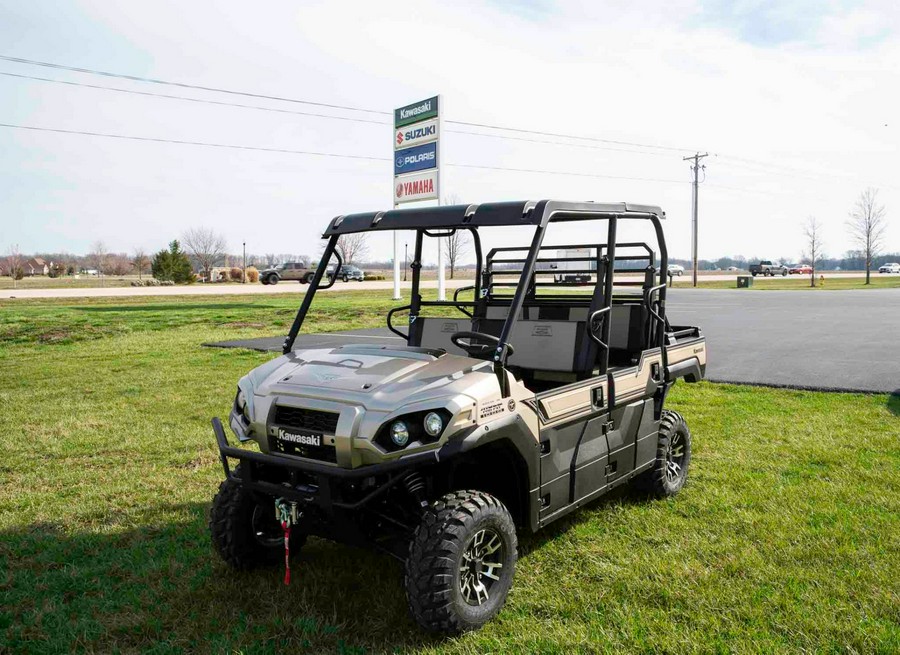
column 207, row 246
column 867, row 224
column 813, row 234
column 140, row 261
column 353, row 247
column 455, row 247
column 97, row 258
column 14, row 265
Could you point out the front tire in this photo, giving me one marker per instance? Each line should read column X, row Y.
column 673, row 457
column 273, row 279
column 461, row 562
column 244, row 530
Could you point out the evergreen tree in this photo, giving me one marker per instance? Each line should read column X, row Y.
column 172, row 264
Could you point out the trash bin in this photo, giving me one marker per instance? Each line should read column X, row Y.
column 744, row 281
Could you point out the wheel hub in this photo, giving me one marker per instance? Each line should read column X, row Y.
column 480, row 567
column 675, row 459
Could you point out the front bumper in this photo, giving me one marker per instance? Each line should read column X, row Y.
column 310, row 482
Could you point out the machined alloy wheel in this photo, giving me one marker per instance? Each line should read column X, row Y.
column 480, row 567
column 675, row 455
column 461, row 562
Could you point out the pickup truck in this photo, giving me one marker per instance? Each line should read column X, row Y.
column 296, row 271
column 765, row 267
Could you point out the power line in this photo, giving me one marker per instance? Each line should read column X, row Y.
column 188, row 99
column 184, row 85
column 208, row 144
column 311, row 114
column 137, row 78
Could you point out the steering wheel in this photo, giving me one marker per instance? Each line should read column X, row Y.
column 478, row 349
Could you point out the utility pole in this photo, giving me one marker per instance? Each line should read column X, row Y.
column 405, row 259
column 244, row 270
column 695, row 168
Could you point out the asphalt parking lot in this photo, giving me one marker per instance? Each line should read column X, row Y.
column 832, row 340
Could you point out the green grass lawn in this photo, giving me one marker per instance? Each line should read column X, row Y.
column 786, row 538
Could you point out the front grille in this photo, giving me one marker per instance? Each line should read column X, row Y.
column 321, row 453
column 312, row 420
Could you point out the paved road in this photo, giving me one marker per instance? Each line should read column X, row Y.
column 840, row 340
column 288, row 287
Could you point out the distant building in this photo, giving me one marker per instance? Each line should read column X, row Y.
column 35, row 266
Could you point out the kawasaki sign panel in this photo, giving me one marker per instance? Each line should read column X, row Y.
column 417, row 158
column 418, row 111
column 417, row 151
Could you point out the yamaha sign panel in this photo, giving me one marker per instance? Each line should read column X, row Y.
column 417, row 131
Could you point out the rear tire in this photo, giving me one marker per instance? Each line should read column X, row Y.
column 673, row 457
column 244, row 531
column 783, row 273
column 461, row 562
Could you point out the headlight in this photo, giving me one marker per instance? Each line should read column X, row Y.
column 399, row 433
column 434, row 424
column 241, row 403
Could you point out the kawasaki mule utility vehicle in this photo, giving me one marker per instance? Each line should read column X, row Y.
column 499, row 411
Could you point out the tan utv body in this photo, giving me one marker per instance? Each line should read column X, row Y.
column 489, row 415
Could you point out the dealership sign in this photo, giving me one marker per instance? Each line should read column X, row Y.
column 417, row 131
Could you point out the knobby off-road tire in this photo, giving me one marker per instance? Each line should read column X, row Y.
column 673, row 457
column 468, row 530
column 244, row 530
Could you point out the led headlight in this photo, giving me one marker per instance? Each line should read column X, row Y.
column 399, row 433
column 434, row 424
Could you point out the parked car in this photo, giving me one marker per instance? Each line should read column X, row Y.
column 297, row 271
column 733, row 269
column 892, row 267
column 348, row 273
column 800, row 269
column 675, row 269
column 765, row 267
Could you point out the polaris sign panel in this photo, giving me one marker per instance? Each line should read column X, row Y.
column 417, row 158
column 415, row 135
column 416, row 186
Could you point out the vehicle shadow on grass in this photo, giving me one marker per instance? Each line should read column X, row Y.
column 893, row 403
column 161, row 588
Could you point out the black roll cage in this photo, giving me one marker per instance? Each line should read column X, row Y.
column 446, row 220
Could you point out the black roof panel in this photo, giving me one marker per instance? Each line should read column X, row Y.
column 517, row 212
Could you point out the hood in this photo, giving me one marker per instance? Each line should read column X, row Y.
column 370, row 370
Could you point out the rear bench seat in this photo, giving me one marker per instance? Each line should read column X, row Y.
column 547, row 338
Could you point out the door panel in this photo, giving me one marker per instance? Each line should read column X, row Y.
column 621, row 441
column 573, row 443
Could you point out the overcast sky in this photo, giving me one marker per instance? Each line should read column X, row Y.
column 797, row 102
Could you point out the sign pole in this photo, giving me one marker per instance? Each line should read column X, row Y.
column 396, row 264
column 442, row 291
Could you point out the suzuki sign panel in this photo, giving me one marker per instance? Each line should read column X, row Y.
column 417, row 134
